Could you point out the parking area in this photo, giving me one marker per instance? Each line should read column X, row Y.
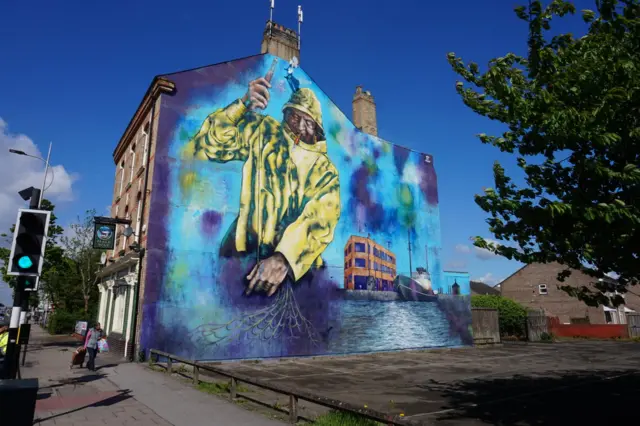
column 582, row 382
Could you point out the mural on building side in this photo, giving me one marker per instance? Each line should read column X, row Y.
column 279, row 229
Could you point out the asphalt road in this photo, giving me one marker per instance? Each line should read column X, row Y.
column 575, row 383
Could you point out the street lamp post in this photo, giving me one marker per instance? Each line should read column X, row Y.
column 46, row 168
column 21, row 297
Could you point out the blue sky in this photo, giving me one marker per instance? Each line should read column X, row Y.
column 74, row 72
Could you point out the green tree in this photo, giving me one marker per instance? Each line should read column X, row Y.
column 79, row 248
column 572, row 109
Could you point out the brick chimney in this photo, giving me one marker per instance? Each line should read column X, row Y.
column 364, row 112
column 280, row 41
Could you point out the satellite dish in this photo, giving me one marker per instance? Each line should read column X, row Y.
column 128, row 231
column 103, row 258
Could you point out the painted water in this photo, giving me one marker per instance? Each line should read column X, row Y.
column 370, row 326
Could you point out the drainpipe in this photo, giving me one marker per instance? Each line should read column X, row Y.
column 142, row 250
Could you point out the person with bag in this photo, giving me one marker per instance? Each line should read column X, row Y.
column 94, row 335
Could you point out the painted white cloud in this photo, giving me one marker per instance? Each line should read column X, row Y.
column 463, row 248
column 411, row 175
column 18, row 172
column 488, row 279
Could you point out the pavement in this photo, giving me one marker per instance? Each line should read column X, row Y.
column 119, row 393
column 579, row 382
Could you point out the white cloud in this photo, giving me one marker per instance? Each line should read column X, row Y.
column 484, row 254
column 18, row 172
column 462, row 248
column 488, row 279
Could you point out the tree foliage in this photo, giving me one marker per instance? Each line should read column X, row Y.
column 79, row 249
column 511, row 315
column 572, row 109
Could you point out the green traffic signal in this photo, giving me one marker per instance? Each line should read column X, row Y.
column 25, row 262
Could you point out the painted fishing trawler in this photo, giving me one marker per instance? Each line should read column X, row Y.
column 416, row 288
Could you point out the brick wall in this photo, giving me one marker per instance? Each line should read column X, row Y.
column 128, row 185
column 147, row 210
column 364, row 112
column 523, row 287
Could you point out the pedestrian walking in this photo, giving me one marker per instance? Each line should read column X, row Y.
column 91, row 345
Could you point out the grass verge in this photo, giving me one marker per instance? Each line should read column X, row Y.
column 340, row 418
column 218, row 388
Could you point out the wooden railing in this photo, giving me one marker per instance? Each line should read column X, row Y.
column 294, row 395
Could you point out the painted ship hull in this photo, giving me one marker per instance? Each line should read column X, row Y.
column 411, row 290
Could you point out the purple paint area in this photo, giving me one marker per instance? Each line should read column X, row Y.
column 429, row 183
column 400, row 156
column 361, row 205
column 210, row 222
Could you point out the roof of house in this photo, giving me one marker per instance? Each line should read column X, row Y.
column 478, row 287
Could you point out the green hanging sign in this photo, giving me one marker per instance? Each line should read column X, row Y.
column 104, row 236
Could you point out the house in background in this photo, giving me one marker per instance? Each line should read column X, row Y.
column 536, row 286
column 481, row 289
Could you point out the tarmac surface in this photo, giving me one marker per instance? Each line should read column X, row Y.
column 562, row 383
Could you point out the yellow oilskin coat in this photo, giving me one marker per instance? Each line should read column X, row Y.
column 4, row 340
column 290, row 195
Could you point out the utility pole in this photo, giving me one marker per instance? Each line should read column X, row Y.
column 409, row 240
column 273, row 6
column 300, row 19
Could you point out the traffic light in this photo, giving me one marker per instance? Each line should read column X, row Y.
column 29, row 238
column 28, row 283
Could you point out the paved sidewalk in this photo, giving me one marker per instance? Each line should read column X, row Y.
column 119, row 393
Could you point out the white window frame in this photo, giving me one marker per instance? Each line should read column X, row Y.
column 543, row 289
column 145, row 135
column 122, row 171
column 138, row 218
column 132, row 150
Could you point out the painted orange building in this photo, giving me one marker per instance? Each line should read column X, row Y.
column 368, row 265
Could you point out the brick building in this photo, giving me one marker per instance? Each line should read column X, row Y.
column 368, row 265
column 123, row 278
column 536, row 286
column 125, row 268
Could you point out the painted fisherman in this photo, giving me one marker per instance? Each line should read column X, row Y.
column 290, row 194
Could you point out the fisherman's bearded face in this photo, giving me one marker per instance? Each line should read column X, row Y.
column 301, row 124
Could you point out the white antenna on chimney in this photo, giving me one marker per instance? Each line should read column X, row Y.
column 300, row 20
column 273, row 6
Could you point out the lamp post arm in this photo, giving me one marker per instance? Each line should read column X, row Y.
column 46, row 171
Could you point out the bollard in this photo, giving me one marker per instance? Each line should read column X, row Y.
column 196, row 374
column 293, row 409
column 169, row 366
column 233, row 389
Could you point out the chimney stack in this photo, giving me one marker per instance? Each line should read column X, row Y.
column 364, row 111
column 280, row 41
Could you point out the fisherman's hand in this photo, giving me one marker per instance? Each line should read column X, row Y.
column 258, row 93
column 268, row 275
